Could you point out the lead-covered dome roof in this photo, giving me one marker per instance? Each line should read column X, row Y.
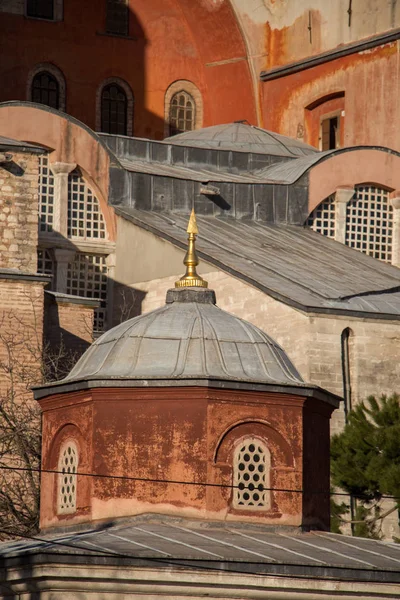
column 242, row 137
column 188, row 338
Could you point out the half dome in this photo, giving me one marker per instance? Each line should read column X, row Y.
column 188, row 338
column 242, row 137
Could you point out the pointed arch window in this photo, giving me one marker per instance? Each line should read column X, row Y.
column 45, row 89
column 67, row 478
column 251, row 475
column 182, row 113
column 114, row 108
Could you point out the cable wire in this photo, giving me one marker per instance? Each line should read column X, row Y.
column 194, row 483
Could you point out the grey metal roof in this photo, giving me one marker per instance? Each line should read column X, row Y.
column 10, row 143
column 290, row 171
column 162, row 541
column 291, row 263
column 242, row 137
column 178, row 172
column 188, row 338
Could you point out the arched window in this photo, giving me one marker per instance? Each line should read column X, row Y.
column 67, row 478
column 85, row 219
column 322, row 219
column 45, row 89
column 114, row 110
column 46, row 196
column 251, row 475
column 182, row 113
column 369, row 221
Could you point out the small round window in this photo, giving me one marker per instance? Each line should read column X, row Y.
column 251, row 475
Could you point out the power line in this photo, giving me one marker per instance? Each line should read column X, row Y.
column 194, row 483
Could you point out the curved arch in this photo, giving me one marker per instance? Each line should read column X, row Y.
column 48, row 127
column 66, row 432
column 54, row 72
column 183, row 85
column 281, row 451
column 130, row 102
column 349, row 167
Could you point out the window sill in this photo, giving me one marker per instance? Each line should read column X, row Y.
column 116, row 35
column 42, row 19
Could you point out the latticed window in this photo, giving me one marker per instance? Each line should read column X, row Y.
column 67, row 479
column 182, row 113
column 117, row 20
column 322, row 218
column 114, row 108
column 45, row 263
column 85, row 219
column 45, row 90
column 40, row 9
column 251, row 475
column 87, row 277
column 369, row 222
column 46, row 196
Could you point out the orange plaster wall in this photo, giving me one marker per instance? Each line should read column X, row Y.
column 369, row 81
column 170, row 40
column 162, row 436
column 351, row 168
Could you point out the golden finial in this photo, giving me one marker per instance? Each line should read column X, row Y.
column 191, row 278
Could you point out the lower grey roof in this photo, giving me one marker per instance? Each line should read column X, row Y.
column 290, row 263
column 164, row 542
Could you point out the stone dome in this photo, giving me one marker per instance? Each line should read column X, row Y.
column 242, row 137
column 188, row 338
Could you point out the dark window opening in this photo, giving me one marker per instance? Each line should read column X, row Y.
column 45, row 90
column 117, row 19
column 330, row 133
column 182, row 113
column 114, row 110
column 41, row 9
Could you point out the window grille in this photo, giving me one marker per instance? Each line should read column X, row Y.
column 46, row 196
column 117, row 20
column 40, row 9
column 251, row 471
column 45, row 90
column 182, row 113
column 322, row 218
column 369, row 222
column 87, row 277
column 67, row 482
column 46, row 264
column 85, row 219
column 114, row 105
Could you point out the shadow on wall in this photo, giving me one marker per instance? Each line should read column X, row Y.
column 88, row 61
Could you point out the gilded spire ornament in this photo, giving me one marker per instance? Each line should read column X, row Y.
column 191, row 278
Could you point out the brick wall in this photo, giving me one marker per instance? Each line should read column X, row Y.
column 21, row 334
column 19, row 212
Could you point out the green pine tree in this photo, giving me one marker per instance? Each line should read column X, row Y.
column 365, row 459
